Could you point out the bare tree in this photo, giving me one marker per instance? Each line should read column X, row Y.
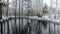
column 1, row 5
column 45, row 11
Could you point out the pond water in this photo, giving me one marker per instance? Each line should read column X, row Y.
column 33, row 25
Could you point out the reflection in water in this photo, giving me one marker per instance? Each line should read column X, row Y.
column 34, row 27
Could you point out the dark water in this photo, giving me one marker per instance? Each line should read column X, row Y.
column 33, row 25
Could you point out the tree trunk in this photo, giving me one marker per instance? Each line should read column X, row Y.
column 1, row 18
column 0, row 14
